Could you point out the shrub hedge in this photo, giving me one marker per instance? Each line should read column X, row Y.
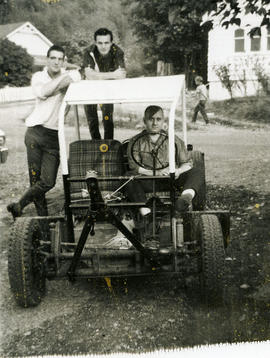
column 15, row 65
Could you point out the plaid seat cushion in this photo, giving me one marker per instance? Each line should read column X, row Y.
column 103, row 156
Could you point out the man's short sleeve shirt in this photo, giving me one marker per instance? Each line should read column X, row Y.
column 46, row 109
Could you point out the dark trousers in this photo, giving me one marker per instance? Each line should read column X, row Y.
column 43, row 162
column 191, row 179
column 92, row 119
column 200, row 107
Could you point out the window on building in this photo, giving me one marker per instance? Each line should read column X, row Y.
column 255, row 42
column 239, row 40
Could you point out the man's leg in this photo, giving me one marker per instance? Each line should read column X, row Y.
column 43, row 162
column 92, row 120
column 203, row 112
column 136, row 190
column 49, row 168
column 107, row 114
column 189, row 183
column 195, row 113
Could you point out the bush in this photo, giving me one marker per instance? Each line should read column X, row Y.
column 15, row 65
column 223, row 73
column 262, row 76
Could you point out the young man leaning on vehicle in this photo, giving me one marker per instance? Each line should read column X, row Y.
column 102, row 61
column 41, row 137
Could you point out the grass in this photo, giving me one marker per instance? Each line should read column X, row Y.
column 253, row 108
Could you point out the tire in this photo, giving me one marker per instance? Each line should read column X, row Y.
column 199, row 201
column 25, row 265
column 212, row 260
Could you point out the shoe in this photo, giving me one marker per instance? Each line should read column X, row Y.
column 183, row 203
column 118, row 242
column 15, row 210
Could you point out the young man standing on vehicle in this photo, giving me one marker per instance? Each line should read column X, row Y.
column 41, row 137
column 102, row 61
column 201, row 94
column 141, row 147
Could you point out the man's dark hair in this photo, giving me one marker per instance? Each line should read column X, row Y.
column 151, row 110
column 103, row 32
column 55, row 48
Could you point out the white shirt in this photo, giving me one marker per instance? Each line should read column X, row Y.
column 201, row 92
column 46, row 109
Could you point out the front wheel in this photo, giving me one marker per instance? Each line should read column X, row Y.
column 212, row 258
column 26, row 262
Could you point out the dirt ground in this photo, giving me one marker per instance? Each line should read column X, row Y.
column 143, row 314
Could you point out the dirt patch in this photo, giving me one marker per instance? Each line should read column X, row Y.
column 142, row 314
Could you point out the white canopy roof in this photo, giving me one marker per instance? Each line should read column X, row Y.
column 143, row 89
column 148, row 90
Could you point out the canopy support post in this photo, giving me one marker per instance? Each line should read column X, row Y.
column 77, row 123
column 184, row 114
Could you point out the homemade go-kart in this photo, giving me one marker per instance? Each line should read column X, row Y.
column 76, row 243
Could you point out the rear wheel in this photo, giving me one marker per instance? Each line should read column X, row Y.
column 212, row 257
column 26, row 262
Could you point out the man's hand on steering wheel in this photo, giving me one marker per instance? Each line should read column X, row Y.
column 159, row 166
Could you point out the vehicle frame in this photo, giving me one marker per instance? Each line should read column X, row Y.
column 197, row 238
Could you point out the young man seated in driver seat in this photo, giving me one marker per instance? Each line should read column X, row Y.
column 140, row 157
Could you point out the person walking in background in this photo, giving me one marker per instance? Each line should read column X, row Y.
column 41, row 137
column 201, row 95
column 102, row 61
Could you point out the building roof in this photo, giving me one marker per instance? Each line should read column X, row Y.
column 6, row 29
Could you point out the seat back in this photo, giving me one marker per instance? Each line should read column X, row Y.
column 103, row 156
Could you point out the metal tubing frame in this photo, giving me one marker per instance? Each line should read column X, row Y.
column 77, row 122
column 68, row 212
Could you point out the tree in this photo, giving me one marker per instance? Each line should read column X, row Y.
column 229, row 12
column 15, row 65
column 171, row 31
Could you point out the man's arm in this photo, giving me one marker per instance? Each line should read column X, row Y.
column 182, row 169
column 43, row 91
column 183, row 163
column 92, row 74
column 133, row 166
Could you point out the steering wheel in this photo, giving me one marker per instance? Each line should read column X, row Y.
column 157, row 165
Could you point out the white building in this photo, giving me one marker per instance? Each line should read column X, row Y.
column 245, row 57
column 29, row 37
